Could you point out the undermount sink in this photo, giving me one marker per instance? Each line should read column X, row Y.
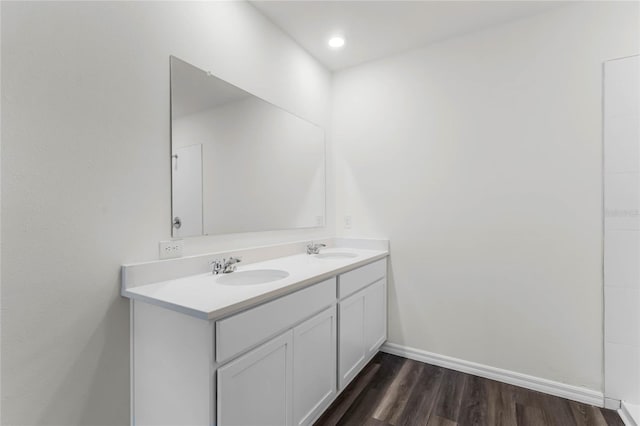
column 258, row 276
column 336, row 255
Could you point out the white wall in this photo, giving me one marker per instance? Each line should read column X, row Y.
column 85, row 179
column 480, row 158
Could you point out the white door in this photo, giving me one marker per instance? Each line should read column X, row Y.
column 186, row 191
column 622, row 231
column 351, row 338
column 375, row 316
column 314, row 368
column 255, row 389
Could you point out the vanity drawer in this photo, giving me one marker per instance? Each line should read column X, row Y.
column 352, row 281
column 247, row 329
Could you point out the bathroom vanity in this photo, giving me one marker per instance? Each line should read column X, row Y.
column 276, row 340
column 273, row 343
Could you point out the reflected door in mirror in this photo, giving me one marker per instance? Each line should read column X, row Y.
column 186, row 190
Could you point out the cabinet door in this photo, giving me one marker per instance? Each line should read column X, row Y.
column 314, row 368
column 255, row 389
column 375, row 316
column 351, row 337
column 362, row 329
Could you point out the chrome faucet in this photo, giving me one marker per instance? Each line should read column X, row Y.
column 224, row 266
column 314, row 248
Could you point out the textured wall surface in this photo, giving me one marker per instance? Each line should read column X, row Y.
column 480, row 158
column 85, row 178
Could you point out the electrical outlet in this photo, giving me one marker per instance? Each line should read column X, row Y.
column 347, row 222
column 171, row 249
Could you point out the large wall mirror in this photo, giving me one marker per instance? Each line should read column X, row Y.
column 239, row 163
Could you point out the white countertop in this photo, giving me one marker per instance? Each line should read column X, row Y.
column 200, row 295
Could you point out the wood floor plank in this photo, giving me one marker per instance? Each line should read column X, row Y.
column 558, row 411
column 527, row 397
column 422, row 400
column 366, row 403
column 362, row 409
column 501, row 409
column 395, row 398
column 440, row 421
column 586, row 415
column 473, row 406
column 375, row 422
column 333, row 414
column 450, row 395
column 612, row 417
column 529, row 416
column 394, row 391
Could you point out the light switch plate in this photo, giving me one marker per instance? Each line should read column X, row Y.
column 170, row 249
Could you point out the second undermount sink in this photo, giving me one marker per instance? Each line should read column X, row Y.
column 257, row 276
column 335, row 255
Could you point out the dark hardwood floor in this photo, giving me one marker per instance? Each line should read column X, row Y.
column 392, row 390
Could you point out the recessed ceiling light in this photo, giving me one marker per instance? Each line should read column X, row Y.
column 336, row 42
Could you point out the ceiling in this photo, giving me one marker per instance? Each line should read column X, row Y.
column 375, row 29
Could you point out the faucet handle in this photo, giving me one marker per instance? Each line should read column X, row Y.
column 229, row 265
column 314, row 248
column 217, row 266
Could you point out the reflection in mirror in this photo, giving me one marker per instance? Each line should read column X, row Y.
column 239, row 163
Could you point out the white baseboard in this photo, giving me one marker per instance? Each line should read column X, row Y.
column 574, row 393
column 611, row 404
column 627, row 415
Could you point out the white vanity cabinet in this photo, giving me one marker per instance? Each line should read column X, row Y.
column 314, row 366
column 288, row 380
column 256, row 389
column 281, row 362
column 363, row 318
